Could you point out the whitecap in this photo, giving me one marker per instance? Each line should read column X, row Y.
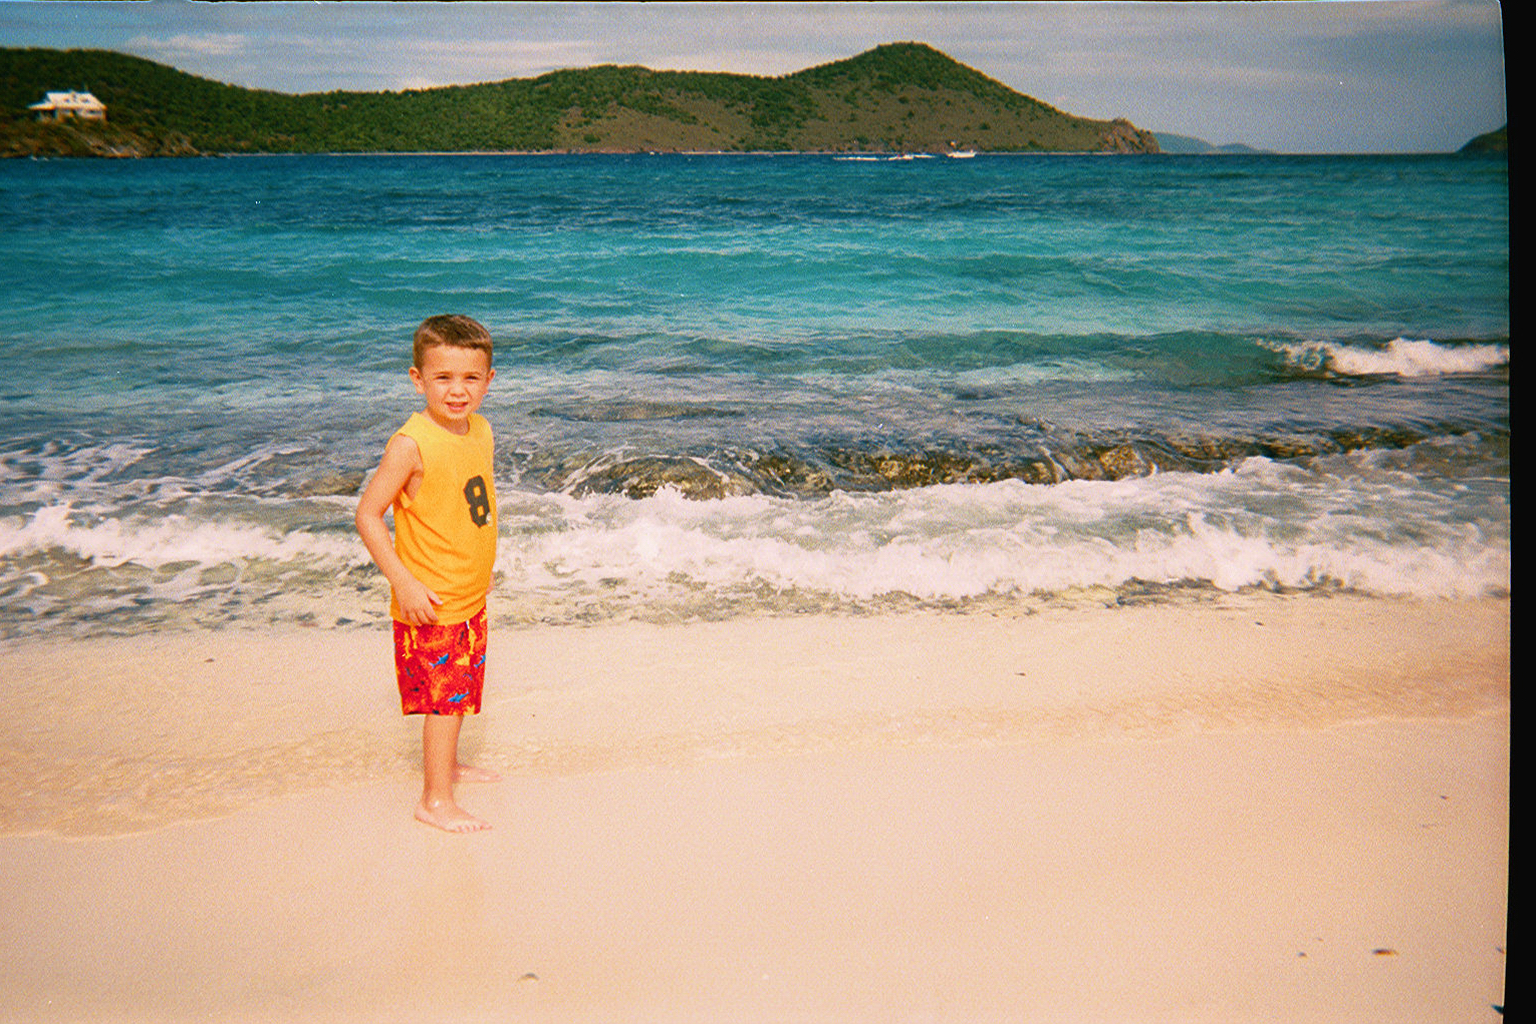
column 1402, row 357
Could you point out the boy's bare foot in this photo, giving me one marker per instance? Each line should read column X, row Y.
column 449, row 817
column 469, row 773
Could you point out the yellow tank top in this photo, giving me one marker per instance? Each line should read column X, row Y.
column 446, row 534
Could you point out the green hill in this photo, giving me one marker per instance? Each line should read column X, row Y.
column 1496, row 141
column 900, row 97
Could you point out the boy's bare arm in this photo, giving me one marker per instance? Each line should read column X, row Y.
column 401, row 461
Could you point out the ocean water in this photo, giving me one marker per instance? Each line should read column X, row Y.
column 741, row 385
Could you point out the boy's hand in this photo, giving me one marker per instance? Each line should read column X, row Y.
column 418, row 603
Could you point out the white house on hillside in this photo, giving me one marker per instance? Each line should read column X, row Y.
column 56, row 106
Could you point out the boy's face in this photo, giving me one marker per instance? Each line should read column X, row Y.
column 454, row 381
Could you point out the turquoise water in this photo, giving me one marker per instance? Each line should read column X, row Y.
column 730, row 385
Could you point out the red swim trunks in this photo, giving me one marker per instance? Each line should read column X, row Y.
column 441, row 669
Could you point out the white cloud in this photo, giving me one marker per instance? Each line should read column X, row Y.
column 207, row 44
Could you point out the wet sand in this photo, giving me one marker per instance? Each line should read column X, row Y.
column 1263, row 808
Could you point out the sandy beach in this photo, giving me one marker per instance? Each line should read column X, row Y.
column 1257, row 807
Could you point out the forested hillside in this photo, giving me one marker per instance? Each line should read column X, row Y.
column 894, row 98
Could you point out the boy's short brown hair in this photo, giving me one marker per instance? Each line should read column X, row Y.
column 450, row 329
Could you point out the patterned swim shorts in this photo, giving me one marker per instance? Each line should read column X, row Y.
column 441, row 668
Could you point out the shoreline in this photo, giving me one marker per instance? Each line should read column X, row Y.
column 236, row 720
column 873, row 154
column 845, row 153
column 1277, row 808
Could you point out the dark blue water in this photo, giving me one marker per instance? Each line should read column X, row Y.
column 734, row 384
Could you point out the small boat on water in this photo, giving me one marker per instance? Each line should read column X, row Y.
column 960, row 154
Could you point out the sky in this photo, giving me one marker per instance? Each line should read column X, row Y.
column 1383, row 76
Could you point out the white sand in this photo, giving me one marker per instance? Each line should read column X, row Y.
column 1153, row 814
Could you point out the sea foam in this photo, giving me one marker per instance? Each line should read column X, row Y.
column 1352, row 521
column 1401, row 357
column 162, row 541
column 1264, row 524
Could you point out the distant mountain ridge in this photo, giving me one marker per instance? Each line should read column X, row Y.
column 1168, row 142
column 898, row 97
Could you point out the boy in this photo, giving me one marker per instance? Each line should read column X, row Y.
column 437, row 475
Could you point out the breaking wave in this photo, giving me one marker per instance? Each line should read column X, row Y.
column 1402, row 357
column 1367, row 520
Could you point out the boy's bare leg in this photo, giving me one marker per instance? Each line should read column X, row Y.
column 469, row 773
column 440, row 765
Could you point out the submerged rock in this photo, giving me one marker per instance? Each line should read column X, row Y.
column 643, row 477
column 1353, row 438
column 817, row 471
column 888, row 470
column 629, row 412
column 787, row 474
column 1125, row 460
column 347, row 482
column 1213, row 452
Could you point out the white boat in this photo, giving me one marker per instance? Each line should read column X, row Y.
column 960, row 154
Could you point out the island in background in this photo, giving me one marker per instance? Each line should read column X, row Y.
column 1496, row 141
column 1186, row 145
column 895, row 98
